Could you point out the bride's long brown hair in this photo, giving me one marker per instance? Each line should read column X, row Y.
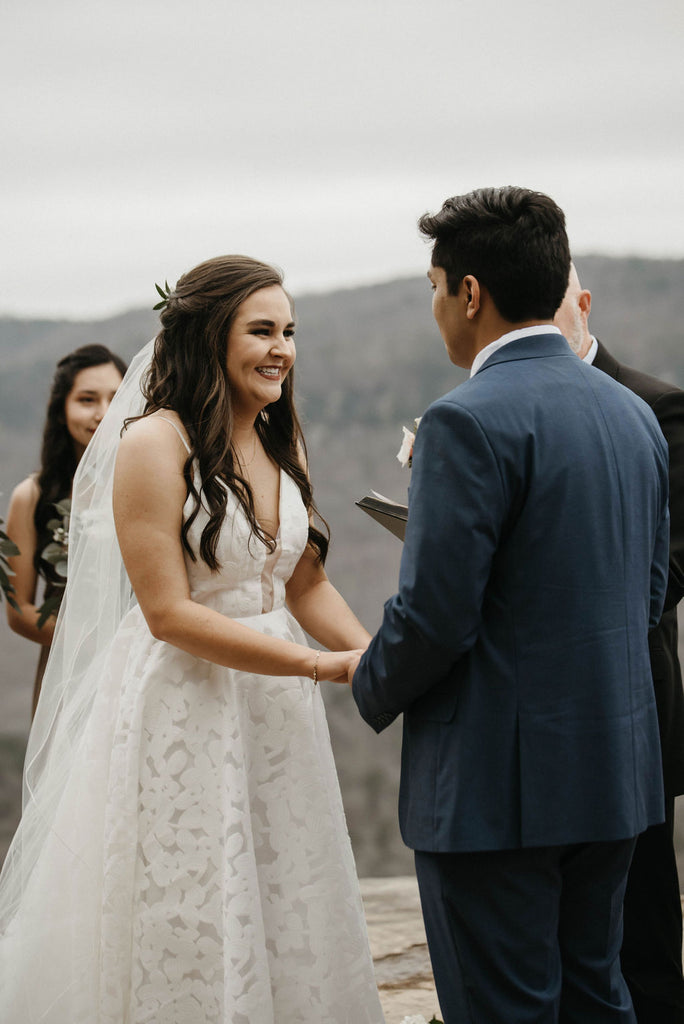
column 188, row 374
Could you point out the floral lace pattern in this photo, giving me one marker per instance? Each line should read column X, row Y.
column 227, row 891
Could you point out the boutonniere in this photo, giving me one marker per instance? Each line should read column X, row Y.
column 405, row 453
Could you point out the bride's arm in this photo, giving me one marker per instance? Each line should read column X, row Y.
column 320, row 609
column 148, row 499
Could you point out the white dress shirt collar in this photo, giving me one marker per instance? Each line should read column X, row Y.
column 591, row 354
column 520, row 332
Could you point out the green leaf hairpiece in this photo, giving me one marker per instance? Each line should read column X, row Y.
column 164, row 295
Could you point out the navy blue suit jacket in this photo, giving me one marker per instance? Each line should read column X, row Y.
column 535, row 561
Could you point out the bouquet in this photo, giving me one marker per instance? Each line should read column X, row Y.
column 55, row 554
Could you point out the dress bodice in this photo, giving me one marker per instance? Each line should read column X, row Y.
column 251, row 580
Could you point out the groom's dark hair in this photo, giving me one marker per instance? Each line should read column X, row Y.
column 512, row 240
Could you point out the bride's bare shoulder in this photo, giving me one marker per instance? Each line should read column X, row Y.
column 163, row 427
column 150, row 464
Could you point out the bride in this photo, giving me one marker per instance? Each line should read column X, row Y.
column 183, row 855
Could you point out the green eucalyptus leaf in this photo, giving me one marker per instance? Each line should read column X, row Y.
column 61, row 568
column 4, row 581
column 47, row 609
column 8, row 547
column 52, row 552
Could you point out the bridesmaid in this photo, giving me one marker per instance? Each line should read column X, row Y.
column 83, row 386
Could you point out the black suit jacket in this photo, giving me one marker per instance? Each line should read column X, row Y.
column 667, row 402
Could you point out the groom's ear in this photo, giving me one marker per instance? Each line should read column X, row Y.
column 471, row 287
column 584, row 302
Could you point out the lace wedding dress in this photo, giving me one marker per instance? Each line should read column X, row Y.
column 199, row 869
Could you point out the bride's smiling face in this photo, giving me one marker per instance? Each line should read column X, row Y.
column 260, row 350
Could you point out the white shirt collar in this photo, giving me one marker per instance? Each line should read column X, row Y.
column 520, row 332
column 591, row 354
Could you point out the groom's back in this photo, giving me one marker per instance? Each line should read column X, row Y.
column 554, row 699
column 578, row 455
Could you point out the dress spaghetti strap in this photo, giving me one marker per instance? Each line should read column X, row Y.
column 177, row 429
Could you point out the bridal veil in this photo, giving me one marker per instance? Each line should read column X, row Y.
column 97, row 596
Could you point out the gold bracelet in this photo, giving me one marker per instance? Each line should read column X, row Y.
column 315, row 668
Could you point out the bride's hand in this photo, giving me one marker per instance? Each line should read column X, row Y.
column 353, row 665
column 338, row 666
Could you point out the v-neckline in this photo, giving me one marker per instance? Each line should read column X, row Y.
column 281, row 474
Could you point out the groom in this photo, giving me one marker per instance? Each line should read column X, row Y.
column 535, row 560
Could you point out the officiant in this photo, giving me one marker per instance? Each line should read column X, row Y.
column 652, row 942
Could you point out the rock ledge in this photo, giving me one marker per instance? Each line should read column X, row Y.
column 399, row 947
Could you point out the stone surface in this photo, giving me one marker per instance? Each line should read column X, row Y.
column 399, row 948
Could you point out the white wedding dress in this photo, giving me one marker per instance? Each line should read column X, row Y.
column 199, row 869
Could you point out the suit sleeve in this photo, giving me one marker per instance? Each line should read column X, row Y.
column 456, row 511
column 669, row 410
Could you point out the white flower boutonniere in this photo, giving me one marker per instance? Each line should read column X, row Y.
column 405, row 453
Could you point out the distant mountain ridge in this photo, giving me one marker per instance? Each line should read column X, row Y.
column 367, row 337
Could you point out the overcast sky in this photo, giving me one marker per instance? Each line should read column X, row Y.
column 140, row 137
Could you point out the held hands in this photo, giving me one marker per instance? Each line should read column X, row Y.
column 338, row 666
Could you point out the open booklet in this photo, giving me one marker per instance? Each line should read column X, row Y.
column 389, row 514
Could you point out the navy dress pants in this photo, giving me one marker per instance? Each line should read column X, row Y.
column 528, row 936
